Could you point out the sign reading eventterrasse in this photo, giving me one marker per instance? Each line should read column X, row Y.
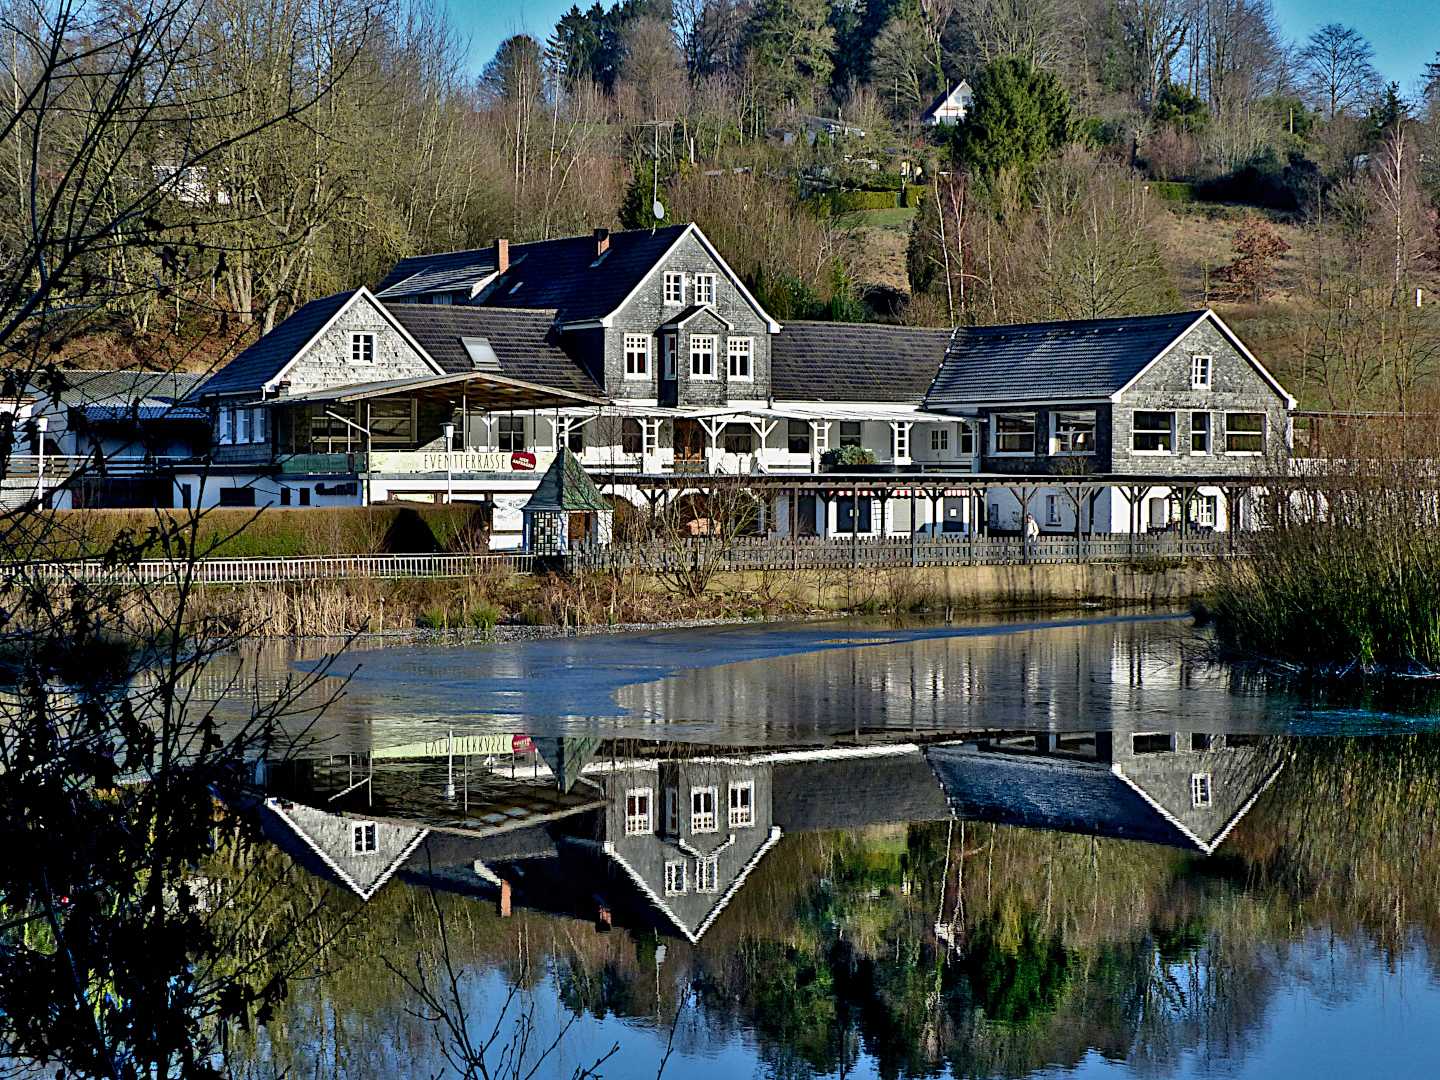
column 498, row 461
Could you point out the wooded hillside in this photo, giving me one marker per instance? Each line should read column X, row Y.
column 1120, row 158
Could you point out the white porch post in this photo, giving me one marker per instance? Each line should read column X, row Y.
column 650, row 444
column 900, row 441
column 819, row 442
column 713, row 426
column 762, row 429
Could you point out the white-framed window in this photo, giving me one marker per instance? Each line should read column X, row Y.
column 362, row 838
column 967, row 440
column 738, row 351
column 797, row 436
column 675, row 877
column 707, row 874
column 1072, row 433
column 637, row 356
column 1153, row 433
column 939, row 439
column 242, row 425
column 702, row 810
column 1199, row 433
column 1052, row 509
column 227, row 426
column 672, row 811
column 638, row 820
column 674, row 288
column 1199, row 373
column 1205, row 507
column 742, row 804
column 852, row 432
column 362, row 348
column 510, row 433
column 259, row 421
column 1014, row 433
column 704, row 288
column 1244, row 433
column 1200, row 790
column 702, row 356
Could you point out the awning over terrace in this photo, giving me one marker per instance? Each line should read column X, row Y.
column 482, row 391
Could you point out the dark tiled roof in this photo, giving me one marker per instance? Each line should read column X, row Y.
column 525, row 342
column 1043, row 794
column 109, row 414
column 851, row 793
column 1056, row 361
column 824, row 361
column 447, row 272
column 121, row 388
column 557, row 275
column 566, row 486
column 249, row 371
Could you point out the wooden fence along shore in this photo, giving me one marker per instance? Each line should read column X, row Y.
column 746, row 553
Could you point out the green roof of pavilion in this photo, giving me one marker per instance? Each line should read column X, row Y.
column 566, row 487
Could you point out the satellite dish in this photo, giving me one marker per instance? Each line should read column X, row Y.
column 658, row 209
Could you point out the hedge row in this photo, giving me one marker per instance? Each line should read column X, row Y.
column 241, row 533
column 1175, row 192
column 834, row 203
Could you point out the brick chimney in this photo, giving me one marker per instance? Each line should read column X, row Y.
column 502, row 255
column 602, row 242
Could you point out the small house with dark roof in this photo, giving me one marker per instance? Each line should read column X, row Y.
column 951, row 107
column 1149, row 396
column 566, row 506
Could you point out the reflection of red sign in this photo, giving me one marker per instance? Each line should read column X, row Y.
column 521, row 744
column 521, row 460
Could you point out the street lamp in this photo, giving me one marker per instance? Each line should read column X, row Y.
column 42, row 425
column 449, row 430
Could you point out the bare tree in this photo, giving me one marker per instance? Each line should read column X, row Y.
column 1337, row 68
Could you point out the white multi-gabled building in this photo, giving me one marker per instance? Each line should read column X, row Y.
column 461, row 376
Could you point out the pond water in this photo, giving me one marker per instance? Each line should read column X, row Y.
column 863, row 847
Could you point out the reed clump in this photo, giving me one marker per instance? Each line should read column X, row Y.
column 1344, row 574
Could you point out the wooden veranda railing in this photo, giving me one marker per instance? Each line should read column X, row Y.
column 274, row 571
column 745, row 553
column 811, row 553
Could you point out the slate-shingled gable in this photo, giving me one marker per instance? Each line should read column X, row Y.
column 525, row 342
column 268, row 356
column 1082, row 360
column 816, row 361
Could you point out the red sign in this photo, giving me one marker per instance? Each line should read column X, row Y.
column 522, row 461
column 521, row 744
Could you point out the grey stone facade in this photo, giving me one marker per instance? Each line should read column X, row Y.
column 1236, row 387
column 328, row 361
column 733, row 849
column 647, row 312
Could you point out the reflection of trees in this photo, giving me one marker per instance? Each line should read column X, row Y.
column 1064, row 944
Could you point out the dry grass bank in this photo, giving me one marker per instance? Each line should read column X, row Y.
column 499, row 596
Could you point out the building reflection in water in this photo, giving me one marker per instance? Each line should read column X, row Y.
column 662, row 836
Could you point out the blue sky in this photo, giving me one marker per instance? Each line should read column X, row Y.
column 1405, row 33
